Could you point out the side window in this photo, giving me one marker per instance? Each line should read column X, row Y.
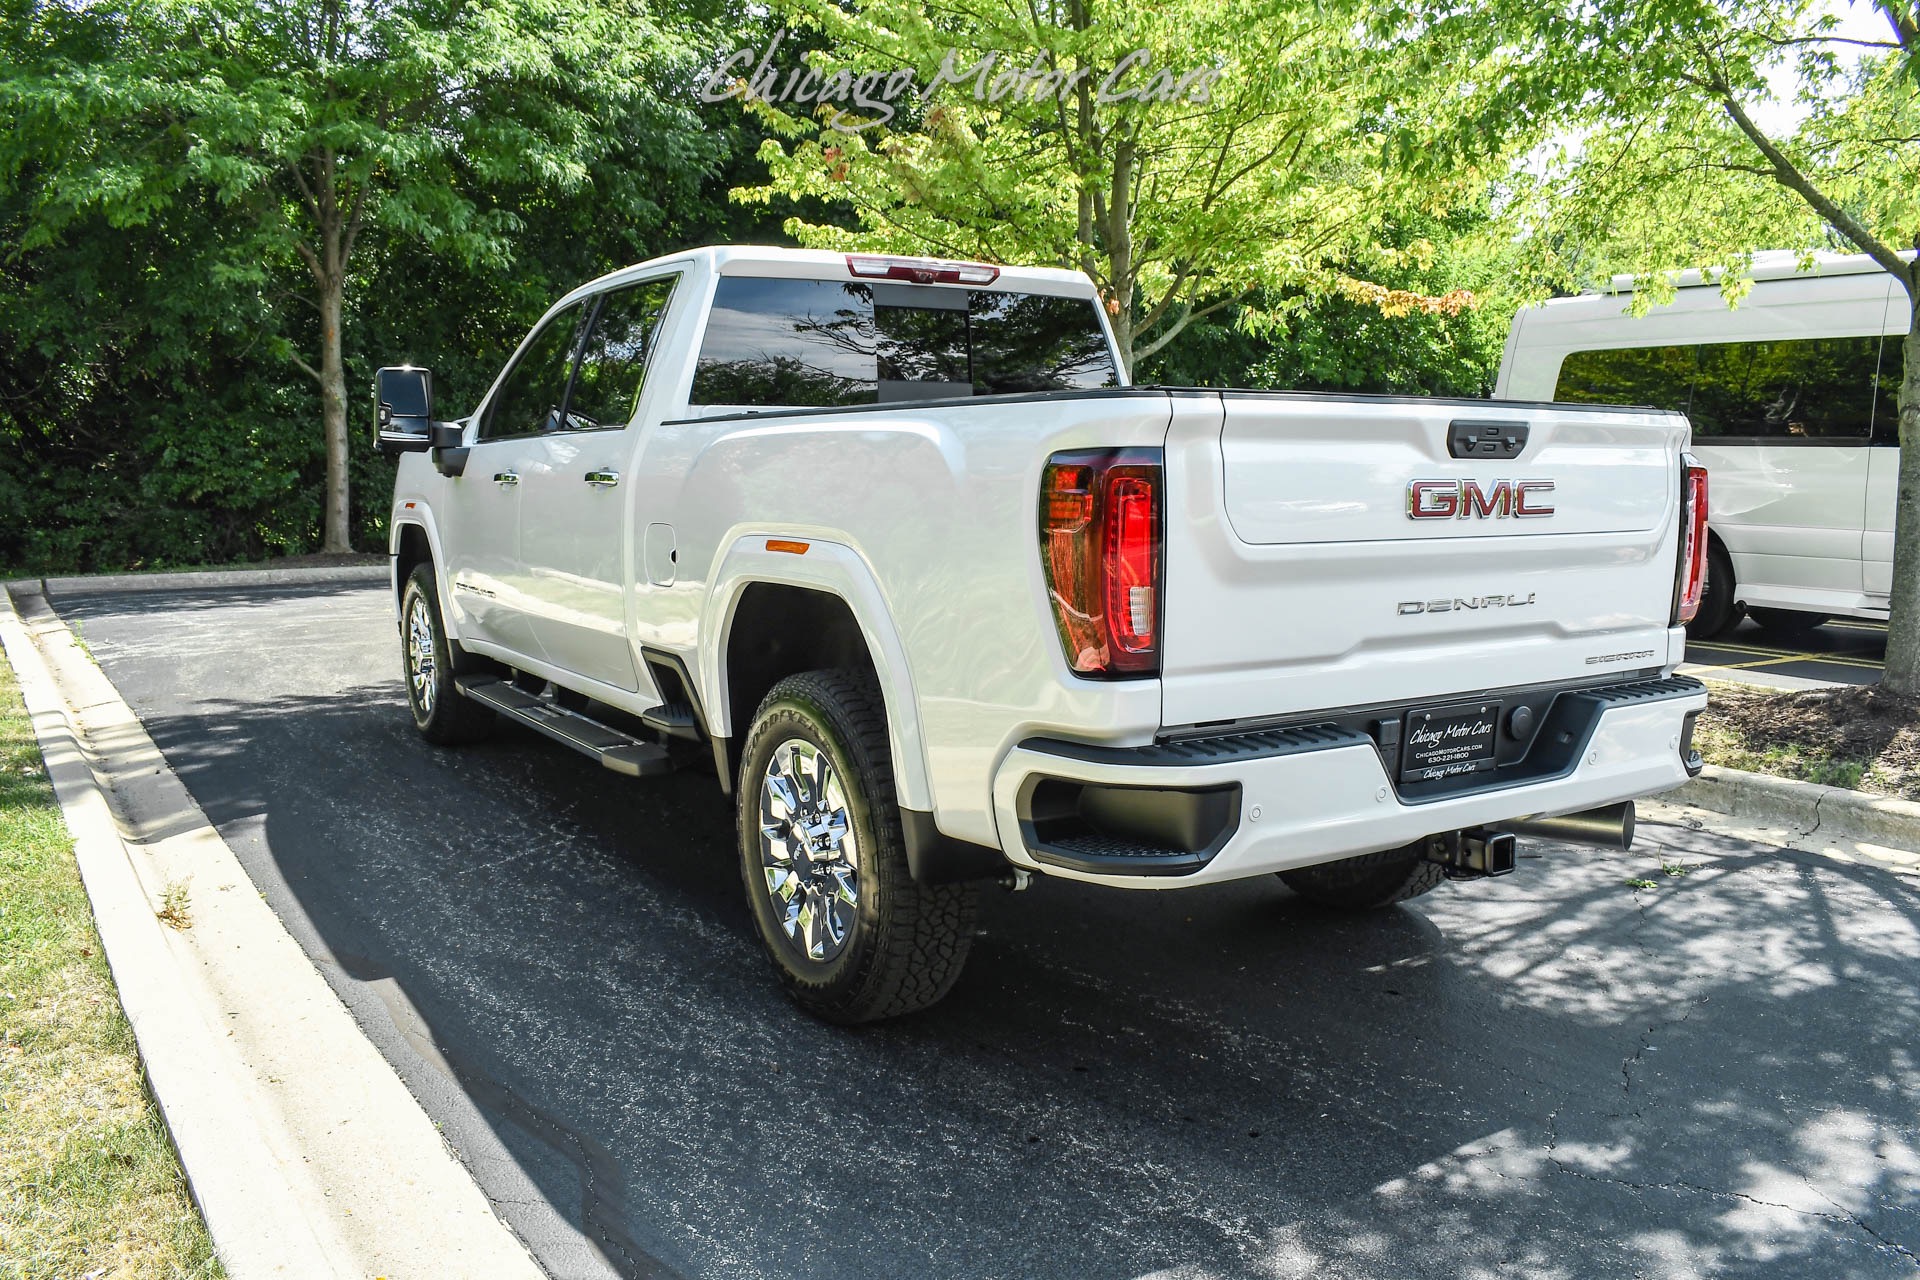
column 788, row 342
column 613, row 363
column 529, row 398
column 1812, row 388
column 1658, row 377
column 1796, row 389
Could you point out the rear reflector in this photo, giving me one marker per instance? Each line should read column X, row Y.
column 1100, row 543
column 1691, row 578
column 921, row 270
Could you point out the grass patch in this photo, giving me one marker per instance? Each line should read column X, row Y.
column 89, row 1183
column 1725, row 747
column 1862, row 738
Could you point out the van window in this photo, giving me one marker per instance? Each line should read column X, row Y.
column 1657, row 377
column 1886, row 391
column 810, row 343
column 1796, row 389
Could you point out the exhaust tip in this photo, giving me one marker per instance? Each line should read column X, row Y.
column 1608, row 827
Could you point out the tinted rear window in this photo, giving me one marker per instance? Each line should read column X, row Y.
column 823, row 343
column 1808, row 388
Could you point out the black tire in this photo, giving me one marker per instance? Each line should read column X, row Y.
column 1786, row 626
column 429, row 661
column 902, row 944
column 1719, row 611
column 1368, row 882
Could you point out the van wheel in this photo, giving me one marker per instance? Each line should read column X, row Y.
column 1718, row 610
column 1368, row 882
column 430, row 661
column 824, row 860
column 1786, row 626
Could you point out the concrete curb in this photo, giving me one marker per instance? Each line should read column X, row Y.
column 304, row 1149
column 201, row 580
column 1811, row 816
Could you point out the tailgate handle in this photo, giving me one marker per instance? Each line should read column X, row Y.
column 1486, row 439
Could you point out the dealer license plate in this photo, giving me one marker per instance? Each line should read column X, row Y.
column 1440, row 742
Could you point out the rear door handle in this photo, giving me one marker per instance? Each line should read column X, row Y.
column 506, row 477
column 603, row 479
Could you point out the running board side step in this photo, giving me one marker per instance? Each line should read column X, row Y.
column 674, row 718
column 618, row 751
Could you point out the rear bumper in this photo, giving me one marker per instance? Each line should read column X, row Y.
column 1206, row 810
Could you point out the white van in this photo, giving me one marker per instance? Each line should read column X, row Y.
column 1793, row 398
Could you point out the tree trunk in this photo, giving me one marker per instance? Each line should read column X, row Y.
column 1119, row 235
column 1903, row 625
column 333, row 414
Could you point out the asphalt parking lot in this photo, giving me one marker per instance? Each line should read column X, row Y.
column 1842, row 651
column 1564, row 1073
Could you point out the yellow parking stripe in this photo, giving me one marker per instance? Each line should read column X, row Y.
column 1843, row 659
column 1791, row 657
column 1737, row 648
column 1868, row 663
column 1766, row 662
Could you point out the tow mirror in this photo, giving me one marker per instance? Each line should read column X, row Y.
column 403, row 409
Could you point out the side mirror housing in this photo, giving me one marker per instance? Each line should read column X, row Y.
column 449, row 448
column 403, row 409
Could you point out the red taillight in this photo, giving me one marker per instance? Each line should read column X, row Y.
column 1100, row 544
column 1692, row 576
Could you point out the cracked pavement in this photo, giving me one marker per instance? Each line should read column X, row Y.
column 1556, row 1074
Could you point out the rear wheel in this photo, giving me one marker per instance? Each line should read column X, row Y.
column 852, row 935
column 1786, row 626
column 1718, row 609
column 441, row 713
column 1368, row 882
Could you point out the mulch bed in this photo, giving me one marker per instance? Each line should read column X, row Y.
column 1862, row 723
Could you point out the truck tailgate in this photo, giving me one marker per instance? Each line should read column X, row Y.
column 1307, row 571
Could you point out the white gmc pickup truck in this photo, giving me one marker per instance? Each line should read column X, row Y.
column 944, row 600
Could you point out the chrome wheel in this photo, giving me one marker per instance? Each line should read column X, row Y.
column 420, row 663
column 808, row 850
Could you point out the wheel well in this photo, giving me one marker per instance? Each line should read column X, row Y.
column 779, row 631
column 411, row 550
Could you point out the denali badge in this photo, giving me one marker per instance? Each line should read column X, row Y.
column 1461, row 603
column 1464, row 499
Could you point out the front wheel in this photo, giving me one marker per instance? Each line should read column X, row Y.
column 440, row 711
column 852, row 935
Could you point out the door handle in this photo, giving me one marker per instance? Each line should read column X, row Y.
column 603, row 479
column 506, row 477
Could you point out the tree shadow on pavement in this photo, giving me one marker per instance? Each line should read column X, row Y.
column 1555, row 1074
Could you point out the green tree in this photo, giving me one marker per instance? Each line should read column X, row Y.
column 304, row 129
column 1664, row 158
column 1249, row 147
column 1318, row 342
